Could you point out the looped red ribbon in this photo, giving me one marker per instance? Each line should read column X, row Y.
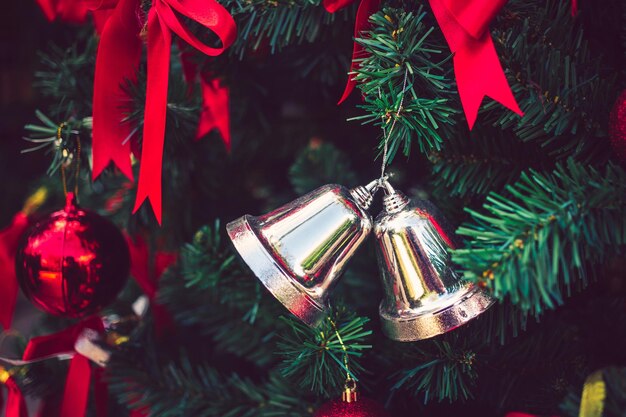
column 464, row 24
column 162, row 21
column 118, row 58
column 78, row 379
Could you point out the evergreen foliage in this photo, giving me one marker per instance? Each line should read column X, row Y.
column 540, row 201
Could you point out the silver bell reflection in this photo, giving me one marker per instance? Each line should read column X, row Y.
column 300, row 249
column 424, row 296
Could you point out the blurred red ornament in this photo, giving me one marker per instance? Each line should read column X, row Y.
column 73, row 262
column 617, row 127
column 351, row 406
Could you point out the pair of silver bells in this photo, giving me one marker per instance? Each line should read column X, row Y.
column 299, row 251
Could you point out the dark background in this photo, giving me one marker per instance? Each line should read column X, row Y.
column 23, row 33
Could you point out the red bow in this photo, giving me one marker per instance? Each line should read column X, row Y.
column 464, row 24
column 16, row 405
column 9, row 239
column 118, row 57
column 77, row 384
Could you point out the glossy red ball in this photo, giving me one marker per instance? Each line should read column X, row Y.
column 73, row 262
column 364, row 407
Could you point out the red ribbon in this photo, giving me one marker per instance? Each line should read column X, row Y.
column 215, row 100
column 119, row 53
column 477, row 68
column 16, row 405
column 68, row 10
column 147, row 277
column 365, row 10
column 75, row 11
column 215, row 109
column 9, row 239
column 465, row 25
column 162, row 21
column 74, row 403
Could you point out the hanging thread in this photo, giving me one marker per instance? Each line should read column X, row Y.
column 393, row 124
column 77, row 170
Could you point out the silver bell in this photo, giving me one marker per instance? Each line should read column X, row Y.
column 424, row 296
column 300, row 249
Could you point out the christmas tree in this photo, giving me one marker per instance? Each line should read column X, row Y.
column 499, row 263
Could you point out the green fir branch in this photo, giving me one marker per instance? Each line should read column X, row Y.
column 189, row 388
column 314, row 358
column 559, row 83
column 67, row 76
column 444, row 370
column 486, row 161
column 401, row 44
column 279, row 23
column 533, row 245
column 61, row 139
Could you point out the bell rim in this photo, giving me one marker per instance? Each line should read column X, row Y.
column 274, row 278
column 428, row 324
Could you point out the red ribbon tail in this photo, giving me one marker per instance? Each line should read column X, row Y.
column 76, row 391
column 139, row 265
column 150, row 172
column 215, row 110
column 478, row 74
column 49, row 8
column 16, row 405
column 101, row 393
column 117, row 61
column 9, row 239
column 476, row 65
column 574, row 7
column 366, row 9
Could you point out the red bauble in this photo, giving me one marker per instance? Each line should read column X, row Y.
column 617, row 127
column 73, row 262
column 363, row 407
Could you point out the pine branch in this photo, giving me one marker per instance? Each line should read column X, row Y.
column 190, row 388
column 444, row 370
column 402, row 43
column 211, row 294
column 487, row 161
column 559, row 83
column 61, row 139
column 278, row 23
column 533, row 244
column 67, row 76
column 314, row 358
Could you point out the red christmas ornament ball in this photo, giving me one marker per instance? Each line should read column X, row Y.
column 73, row 262
column 364, row 407
column 617, row 127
